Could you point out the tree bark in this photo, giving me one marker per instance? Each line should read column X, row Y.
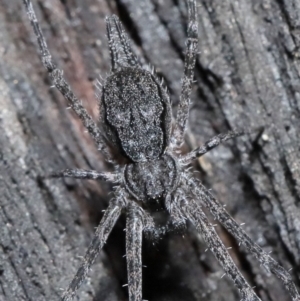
column 247, row 76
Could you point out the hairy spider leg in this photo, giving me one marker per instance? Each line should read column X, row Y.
column 122, row 56
column 220, row 214
column 85, row 175
column 211, row 144
column 195, row 214
column 187, row 80
column 61, row 84
column 107, row 222
column 119, row 45
column 134, row 230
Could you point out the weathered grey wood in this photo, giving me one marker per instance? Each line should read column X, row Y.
column 247, row 76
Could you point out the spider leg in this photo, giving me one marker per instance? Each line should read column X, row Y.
column 103, row 230
column 84, row 174
column 194, row 213
column 219, row 213
column 189, row 66
column 60, row 83
column 211, row 144
column 134, row 229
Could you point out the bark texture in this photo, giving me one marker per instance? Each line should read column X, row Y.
column 247, row 75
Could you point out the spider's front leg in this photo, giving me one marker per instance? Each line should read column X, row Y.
column 220, row 214
column 108, row 221
column 192, row 210
column 134, row 230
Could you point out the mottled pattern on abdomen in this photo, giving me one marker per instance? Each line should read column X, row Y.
column 137, row 113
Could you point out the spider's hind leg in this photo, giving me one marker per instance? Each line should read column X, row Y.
column 61, row 84
column 189, row 66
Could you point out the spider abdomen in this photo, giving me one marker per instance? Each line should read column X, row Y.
column 152, row 179
column 136, row 114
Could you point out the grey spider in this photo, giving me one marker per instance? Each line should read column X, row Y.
column 136, row 116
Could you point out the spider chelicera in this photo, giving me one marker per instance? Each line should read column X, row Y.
column 136, row 121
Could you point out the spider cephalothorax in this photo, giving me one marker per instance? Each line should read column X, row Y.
column 152, row 179
column 136, row 115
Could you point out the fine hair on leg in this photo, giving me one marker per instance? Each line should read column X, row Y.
column 134, row 231
column 188, row 76
column 136, row 122
column 85, row 175
column 61, row 84
column 211, row 144
column 219, row 213
column 193, row 212
column 216, row 141
column 107, row 222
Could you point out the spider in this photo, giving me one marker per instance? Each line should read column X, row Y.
column 137, row 120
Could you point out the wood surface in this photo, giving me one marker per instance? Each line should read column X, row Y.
column 247, row 75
